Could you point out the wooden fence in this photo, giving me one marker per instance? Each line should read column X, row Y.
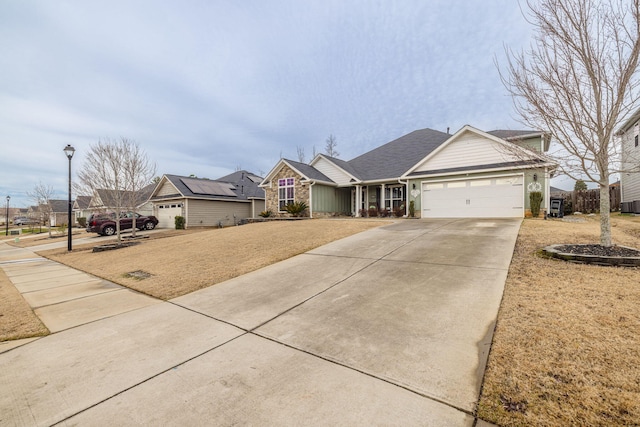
column 588, row 201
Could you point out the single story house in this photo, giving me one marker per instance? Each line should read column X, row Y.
column 107, row 200
column 81, row 207
column 471, row 173
column 205, row 202
column 58, row 211
column 629, row 134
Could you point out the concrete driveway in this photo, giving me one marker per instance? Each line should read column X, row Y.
column 391, row 326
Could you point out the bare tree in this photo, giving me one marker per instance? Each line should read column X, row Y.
column 578, row 80
column 119, row 168
column 41, row 195
column 139, row 172
column 330, row 146
column 300, row 150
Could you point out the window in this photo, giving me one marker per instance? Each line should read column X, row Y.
column 438, row 186
column 480, row 183
column 285, row 192
column 636, row 140
column 394, row 197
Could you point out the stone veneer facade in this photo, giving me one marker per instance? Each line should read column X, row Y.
column 300, row 192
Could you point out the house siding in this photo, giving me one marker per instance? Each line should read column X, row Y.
column 630, row 181
column 330, row 171
column 167, row 189
column 470, row 149
column 205, row 213
column 330, row 200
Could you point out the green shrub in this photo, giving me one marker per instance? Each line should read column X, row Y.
column 535, row 199
column 266, row 214
column 82, row 221
column 296, row 208
column 412, row 209
column 179, row 220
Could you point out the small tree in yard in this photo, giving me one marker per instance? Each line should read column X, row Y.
column 120, row 167
column 578, row 81
column 41, row 195
column 139, row 172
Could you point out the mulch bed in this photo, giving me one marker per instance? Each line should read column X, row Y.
column 599, row 250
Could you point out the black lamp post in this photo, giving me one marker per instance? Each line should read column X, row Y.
column 7, row 225
column 69, row 150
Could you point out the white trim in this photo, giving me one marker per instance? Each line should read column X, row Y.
column 467, row 128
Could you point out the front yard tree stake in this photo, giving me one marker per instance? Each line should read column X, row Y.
column 579, row 80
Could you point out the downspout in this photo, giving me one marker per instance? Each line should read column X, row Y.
column 311, row 199
column 547, row 190
column 406, row 192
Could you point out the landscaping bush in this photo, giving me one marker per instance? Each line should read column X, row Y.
column 179, row 221
column 266, row 214
column 535, row 199
column 82, row 222
column 364, row 213
column 412, row 209
column 399, row 211
column 372, row 212
column 296, row 209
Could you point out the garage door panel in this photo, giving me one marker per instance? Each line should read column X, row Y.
column 481, row 198
column 167, row 215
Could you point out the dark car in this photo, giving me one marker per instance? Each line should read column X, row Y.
column 105, row 223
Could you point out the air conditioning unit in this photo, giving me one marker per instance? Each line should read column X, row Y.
column 636, row 206
column 626, row 207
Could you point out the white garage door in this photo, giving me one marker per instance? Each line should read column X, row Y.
column 167, row 214
column 501, row 197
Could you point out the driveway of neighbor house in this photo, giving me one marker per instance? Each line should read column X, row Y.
column 389, row 326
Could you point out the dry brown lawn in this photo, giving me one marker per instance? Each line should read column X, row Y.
column 566, row 349
column 17, row 319
column 182, row 264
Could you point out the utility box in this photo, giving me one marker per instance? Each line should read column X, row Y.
column 556, row 208
column 15, row 232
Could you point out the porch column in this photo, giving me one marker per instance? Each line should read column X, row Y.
column 357, row 201
column 381, row 201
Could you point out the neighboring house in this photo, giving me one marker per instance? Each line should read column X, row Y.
column 58, row 212
column 81, row 207
column 468, row 174
column 630, row 159
column 107, row 200
column 207, row 203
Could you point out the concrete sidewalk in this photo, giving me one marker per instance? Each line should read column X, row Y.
column 388, row 327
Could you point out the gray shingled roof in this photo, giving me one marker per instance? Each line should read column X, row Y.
column 83, row 202
column 244, row 190
column 308, row 171
column 246, row 182
column 61, row 206
column 394, row 158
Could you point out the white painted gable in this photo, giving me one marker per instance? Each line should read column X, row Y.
column 466, row 150
column 329, row 169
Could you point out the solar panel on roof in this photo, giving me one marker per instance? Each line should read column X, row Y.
column 210, row 188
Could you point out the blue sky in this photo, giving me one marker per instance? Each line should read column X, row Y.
column 206, row 87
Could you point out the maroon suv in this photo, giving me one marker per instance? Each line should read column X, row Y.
column 105, row 223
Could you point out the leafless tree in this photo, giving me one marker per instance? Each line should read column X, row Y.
column 578, row 80
column 138, row 172
column 120, row 168
column 301, row 157
column 41, row 195
column 330, row 146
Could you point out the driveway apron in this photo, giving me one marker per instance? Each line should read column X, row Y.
column 391, row 326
